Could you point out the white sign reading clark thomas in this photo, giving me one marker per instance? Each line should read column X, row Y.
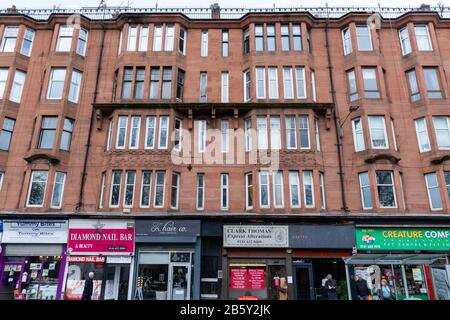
column 255, row 236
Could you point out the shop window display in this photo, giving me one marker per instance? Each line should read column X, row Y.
column 78, row 273
column 31, row 278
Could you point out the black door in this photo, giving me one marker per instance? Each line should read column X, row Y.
column 303, row 283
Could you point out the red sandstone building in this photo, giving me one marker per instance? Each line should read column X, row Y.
column 306, row 127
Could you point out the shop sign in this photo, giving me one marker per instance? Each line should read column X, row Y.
column 86, row 259
column 403, row 239
column 322, row 236
column 118, row 259
column 146, row 229
column 100, row 237
column 35, row 231
column 255, row 236
column 238, row 278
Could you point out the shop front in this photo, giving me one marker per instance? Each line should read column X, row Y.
column 413, row 261
column 33, row 257
column 317, row 250
column 168, row 260
column 255, row 262
column 104, row 247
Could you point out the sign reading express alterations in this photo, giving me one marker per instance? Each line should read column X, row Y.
column 260, row 236
column 403, row 239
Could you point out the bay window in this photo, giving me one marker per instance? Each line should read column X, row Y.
column 37, row 188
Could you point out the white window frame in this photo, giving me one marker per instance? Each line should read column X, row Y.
column 393, row 189
column 435, row 131
column 203, row 81
column 19, row 86
column 132, row 37
column 200, row 206
column 118, row 132
column 51, row 81
column 112, row 189
column 224, row 187
column 204, row 43
column 295, row 175
column 160, row 145
column 246, row 74
column 201, row 125
column 102, row 190
column 143, row 38
column 288, row 129
column 262, row 133
column 58, row 41
column 29, row 190
column 265, row 173
column 178, row 132
column 156, row 188
column 31, row 40
column 60, row 200
column 428, row 37
column 357, row 133
column 225, row 87
column 300, row 71
column 274, row 189
column 7, row 28
column 110, row 133
column 224, row 136
column 275, row 132
column 433, row 187
column 305, row 173
column 404, row 51
column 147, row 131
column 177, row 186
column 304, row 130
column 313, row 86
column 260, row 95
column 183, row 50
column 157, row 38
column 169, row 37
column 247, row 186
column 347, row 41
column 248, row 134
column 272, row 74
column 384, row 132
column 317, row 134
column 361, row 190
column 323, row 202
column 134, row 130
column 143, row 172
column 369, row 36
column 418, row 132
column 74, row 89
column 3, row 80
column 288, row 83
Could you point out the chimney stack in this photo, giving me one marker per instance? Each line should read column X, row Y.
column 215, row 11
column 425, row 7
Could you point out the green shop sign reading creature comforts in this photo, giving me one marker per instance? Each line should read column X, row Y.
column 427, row 239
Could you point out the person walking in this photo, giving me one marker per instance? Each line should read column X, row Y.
column 88, row 287
column 362, row 289
column 330, row 288
column 385, row 291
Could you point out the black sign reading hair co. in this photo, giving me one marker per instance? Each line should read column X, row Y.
column 162, row 230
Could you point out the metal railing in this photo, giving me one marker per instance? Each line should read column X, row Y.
column 105, row 13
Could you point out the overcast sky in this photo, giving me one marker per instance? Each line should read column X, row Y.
column 205, row 3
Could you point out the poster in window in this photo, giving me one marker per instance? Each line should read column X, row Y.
column 238, row 278
column 256, row 279
column 74, row 289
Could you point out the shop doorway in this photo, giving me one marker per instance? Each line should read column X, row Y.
column 180, row 281
column 303, row 279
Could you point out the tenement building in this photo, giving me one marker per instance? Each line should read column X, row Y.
column 224, row 153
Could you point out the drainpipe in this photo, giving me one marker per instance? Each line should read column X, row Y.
column 335, row 117
column 91, row 123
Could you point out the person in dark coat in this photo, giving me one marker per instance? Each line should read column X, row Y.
column 362, row 290
column 88, row 287
column 330, row 288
